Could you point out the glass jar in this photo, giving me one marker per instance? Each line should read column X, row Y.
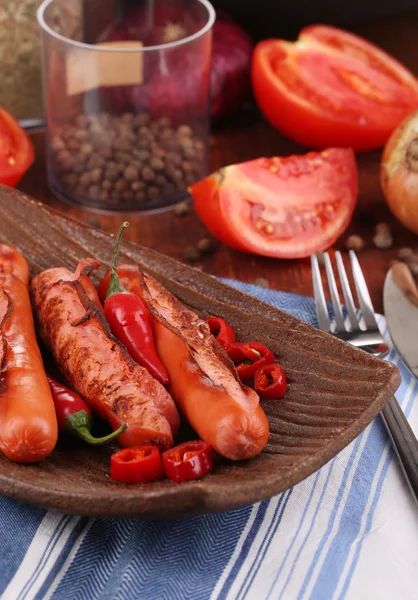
column 127, row 100
column 20, row 63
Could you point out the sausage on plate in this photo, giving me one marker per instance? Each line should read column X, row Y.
column 96, row 365
column 28, row 424
column 203, row 381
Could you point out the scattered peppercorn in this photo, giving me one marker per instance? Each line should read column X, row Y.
column 408, row 256
column 182, row 209
column 207, row 245
column 412, row 262
column 412, row 259
column 383, row 238
column 191, row 254
column 261, row 282
column 405, row 253
column 414, row 268
column 354, row 242
column 393, row 263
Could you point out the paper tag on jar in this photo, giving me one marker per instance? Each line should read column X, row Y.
column 90, row 69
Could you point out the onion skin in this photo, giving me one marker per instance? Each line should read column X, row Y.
column 171, row 94
column 231, row 65
column 399, row 172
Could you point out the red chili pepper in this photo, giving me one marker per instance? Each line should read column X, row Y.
column 257, row 353
column 130, row 322
column 270, row 381
column 187, row 461
column 74, row 415
column 137, row 465
column 222, row 331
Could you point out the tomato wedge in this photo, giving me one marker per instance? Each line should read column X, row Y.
column 332, row 88
column 16, row 150
column 286, row 207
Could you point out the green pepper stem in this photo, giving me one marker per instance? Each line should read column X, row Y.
column 85, row 434
column 115, row 285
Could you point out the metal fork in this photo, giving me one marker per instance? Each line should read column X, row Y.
column 370, row 339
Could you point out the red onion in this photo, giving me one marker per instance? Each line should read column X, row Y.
column 231, row 59
column 163, row 96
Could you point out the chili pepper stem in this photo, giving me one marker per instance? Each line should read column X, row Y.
column 115, row 285
column 85, row 434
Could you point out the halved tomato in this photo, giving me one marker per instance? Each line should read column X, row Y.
column 332, row 88
column 16, row 150
column 286, row 207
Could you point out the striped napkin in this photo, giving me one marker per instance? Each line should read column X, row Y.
column 348, row 531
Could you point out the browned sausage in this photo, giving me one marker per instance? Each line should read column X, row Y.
column 97, row 366
column 203, row 382
column 28, row 424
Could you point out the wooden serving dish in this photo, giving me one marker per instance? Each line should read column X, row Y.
column 334, row 389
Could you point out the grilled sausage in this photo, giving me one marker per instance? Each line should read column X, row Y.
column 97, row 366
column 28, row 424
column 203, row 382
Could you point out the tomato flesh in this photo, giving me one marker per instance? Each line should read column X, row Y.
column 16, row 150
column 286, row 207
column 331, row 88
column 362, row 50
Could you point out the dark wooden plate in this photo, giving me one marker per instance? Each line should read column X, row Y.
column 334, row 390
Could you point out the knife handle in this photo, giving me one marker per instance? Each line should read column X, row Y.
column 404, row 442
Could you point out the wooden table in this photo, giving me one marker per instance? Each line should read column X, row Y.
column 244, row 137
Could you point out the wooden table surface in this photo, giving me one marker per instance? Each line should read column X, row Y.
column 244, row 137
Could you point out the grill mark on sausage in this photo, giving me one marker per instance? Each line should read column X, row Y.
column 204, row 350
column 117, row 382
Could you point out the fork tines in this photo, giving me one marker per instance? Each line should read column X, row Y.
column 363, row 296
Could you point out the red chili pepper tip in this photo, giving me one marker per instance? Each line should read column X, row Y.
column 74, row 415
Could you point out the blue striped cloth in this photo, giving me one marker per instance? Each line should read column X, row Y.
column 348, row 531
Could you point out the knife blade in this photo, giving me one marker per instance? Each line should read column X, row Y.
column 400, row 301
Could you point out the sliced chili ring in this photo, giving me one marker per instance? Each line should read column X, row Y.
column 222, row 331
column 187, row 461
column 138, row 464
column 257, row 353
column 270, row 381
